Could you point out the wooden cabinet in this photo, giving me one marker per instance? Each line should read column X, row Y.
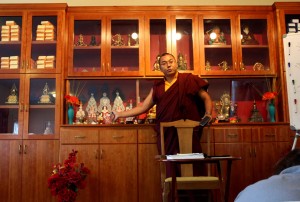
column 148, row 167
column 33, row 38
column 112, row 161
column 172, row 32
column 238, row 43
column 260, row 148
column 285, row 12
column 21, row 163
column 105, row 44
column 31, row 53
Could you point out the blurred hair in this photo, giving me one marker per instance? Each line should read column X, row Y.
column 290, row 159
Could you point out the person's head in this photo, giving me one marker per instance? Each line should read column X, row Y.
column 289, row 160
column 168, row 64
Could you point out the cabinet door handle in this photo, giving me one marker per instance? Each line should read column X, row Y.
column 96, row 154
column 254, row 152
column 103, row 67
column 25, row 149
column 23, row 64
column 270, row 135
column 27, row 64
column 117, row 136
column 21, row 107
column 107, row 69
column 101, row 153
column 20, row 149
column 26, row 108
column 232, row 135
column 79, row 136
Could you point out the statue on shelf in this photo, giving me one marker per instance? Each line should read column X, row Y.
column 117, row 40
column 215, row 36
column 45, row 98
column 182, row 64
column 118, row 103
column 48, row 129
column 104, row 102
column 13, row 97
column 207, row 66
column 129, row 107
column 224, row 65
column 91, row 109
column 255, row 114
column 248, row 37
column 156, row 66
column 223, row 107
column 80, row 114
column 93, row 41
column 80, row 41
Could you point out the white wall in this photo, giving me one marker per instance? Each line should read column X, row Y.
column 149, row 2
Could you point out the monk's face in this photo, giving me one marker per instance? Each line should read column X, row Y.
column 168, row 65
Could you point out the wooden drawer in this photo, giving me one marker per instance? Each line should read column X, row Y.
column 231, row 135
column 118, row 135
column 272, row 133
column 78, row 135
column 147, row 135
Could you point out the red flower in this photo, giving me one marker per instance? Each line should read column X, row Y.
column 73, row 100
column 269, row 95
column 67, row 179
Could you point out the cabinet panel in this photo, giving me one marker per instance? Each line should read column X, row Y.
column 77, row 136
column 89, row 155
column 39, row 156
column 118, row 135
column 118, row 182
column 10, row 170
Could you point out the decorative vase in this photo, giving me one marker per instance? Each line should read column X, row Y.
column 70, row 114
column 271, row 111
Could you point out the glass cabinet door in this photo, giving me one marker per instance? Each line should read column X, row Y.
column 185, row 44
column 85, row 47
column 11, row 107
column 44, row 42
column 41, row 111
column 125, row 46
column 12, row 26
column 218, row 46
column 157, row 41
column 256, row 48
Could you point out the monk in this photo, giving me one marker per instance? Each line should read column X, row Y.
column 177, row 96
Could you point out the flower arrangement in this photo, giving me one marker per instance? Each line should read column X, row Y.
column 67, row 179
column 72, row 100
column 269, row 95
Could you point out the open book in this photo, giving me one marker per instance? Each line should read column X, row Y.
column 186, row 156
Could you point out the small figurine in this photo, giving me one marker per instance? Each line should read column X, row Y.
column 224, row 65
column 216, row 36
column 255, row 114
column 118, row 103
column 13, row 97
column 104, row 102
column 182, row 64
column 80, row 41
column 156, row 66
column 80, row 114
column 248, row 37
column 117, row 40
column 207, row 66
column 91, row 109
column 45, row 98
column 128, row 40
column 93, row 41
column 223, row 107
column 48, row 129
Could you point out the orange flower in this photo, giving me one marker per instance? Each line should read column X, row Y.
column 269, row 95
column 73, row 100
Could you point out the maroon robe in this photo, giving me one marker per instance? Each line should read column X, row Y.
column 180, row 101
